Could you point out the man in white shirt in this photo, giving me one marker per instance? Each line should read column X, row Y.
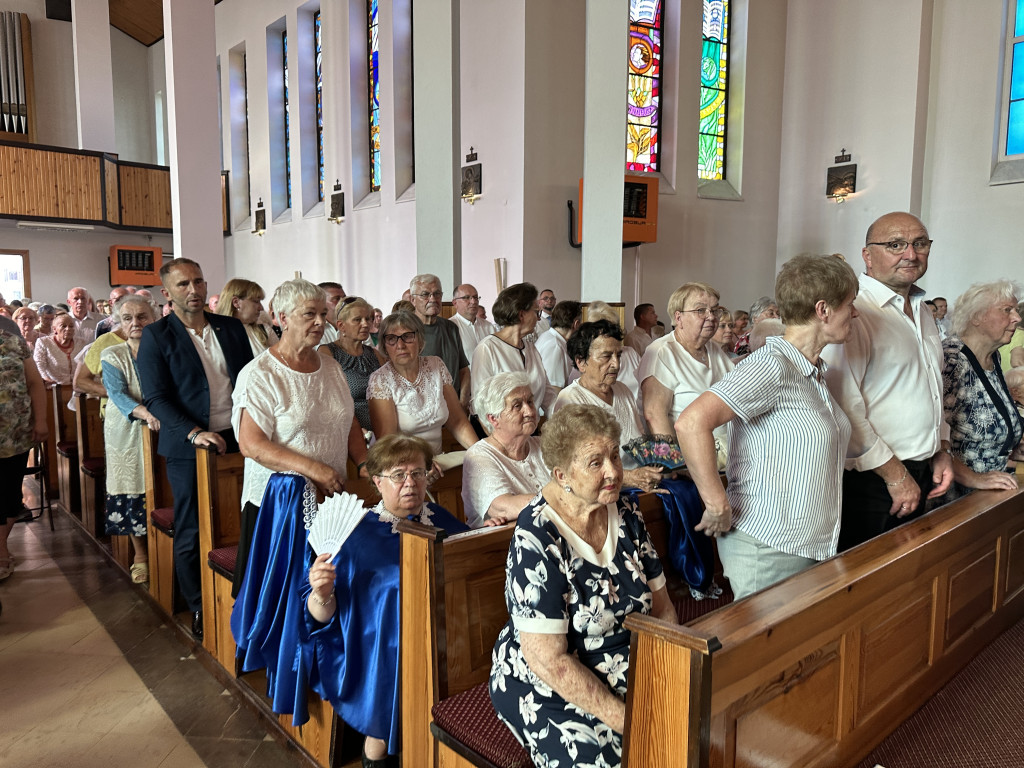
column 940, row 316
column 888, row 379
column 335, row 293
column 646, row 319
column 79, row 302
column 471, row 328
column 565, row 319
column 546, row 301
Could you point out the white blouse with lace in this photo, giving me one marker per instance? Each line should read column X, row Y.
column 421, row 406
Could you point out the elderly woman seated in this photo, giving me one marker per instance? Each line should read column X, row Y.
column 292, row 409
column 54, row 355
column 596, row 350
column 352, row 604
column 629, row 363
column 503, row 472
column 579, row 563
column 764, row 308
column 985, row 427
column 785, row 428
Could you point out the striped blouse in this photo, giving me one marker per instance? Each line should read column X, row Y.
column 787, row 447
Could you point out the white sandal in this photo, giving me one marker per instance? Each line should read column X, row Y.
column 139, row 572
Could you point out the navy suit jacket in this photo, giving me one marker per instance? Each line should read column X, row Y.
column 173, row 379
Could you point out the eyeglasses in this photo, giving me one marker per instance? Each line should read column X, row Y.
column 407, row 338
column 716, row 312
column 896, row 247
column 429, row 295
column 472, row 297
column 399, row 477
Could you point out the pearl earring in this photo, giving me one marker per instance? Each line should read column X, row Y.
column 567, row 488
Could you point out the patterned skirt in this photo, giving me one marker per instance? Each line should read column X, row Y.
column 126, row 514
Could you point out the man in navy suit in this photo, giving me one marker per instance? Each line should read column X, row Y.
column 188, row 362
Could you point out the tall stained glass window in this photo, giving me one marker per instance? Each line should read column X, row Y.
column 287, row 119
column 319, row 58
column 713, row 91
column 373, row 84
column 1015, row 114
column 643, row 91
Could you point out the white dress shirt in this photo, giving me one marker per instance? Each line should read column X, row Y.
column 888, row 379
column 216, row 367
column 555, row 356
column 472, row 333
column 638, row 339
column 493, row 356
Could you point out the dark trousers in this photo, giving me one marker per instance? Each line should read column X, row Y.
column 866, row 503
column 181, row 474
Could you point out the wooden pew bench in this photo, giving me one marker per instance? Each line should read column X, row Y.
column 66, row 432
column 159, row 525
column 816, row 670
column 453, row 607
column 52, row 486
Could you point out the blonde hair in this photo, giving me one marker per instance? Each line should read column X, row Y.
column 677, row 301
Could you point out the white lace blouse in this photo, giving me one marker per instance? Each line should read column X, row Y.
column 310, row 413
column 488, row 473
column 421, row 406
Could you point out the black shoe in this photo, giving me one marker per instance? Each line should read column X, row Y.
column 197, row 625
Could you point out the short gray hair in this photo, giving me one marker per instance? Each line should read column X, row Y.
column 489, row 399
column 760, row 306
column 1014, row 377
column 293, row 292
column 762, row 330
column 978, row 298
column 601, row 310
column 425, row 279
column 131, row 298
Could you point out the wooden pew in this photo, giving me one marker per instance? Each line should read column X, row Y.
column 159, row 525
column 220, row 503
column 50, row 447
column 91, row 465
column 66, row 431
column 818, row 669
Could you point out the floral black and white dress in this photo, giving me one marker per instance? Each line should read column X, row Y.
column 558, row 584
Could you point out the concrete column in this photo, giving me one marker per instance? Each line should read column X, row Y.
column 604, row 149
column 194, row 135
column 94, row 78
column 438, row 138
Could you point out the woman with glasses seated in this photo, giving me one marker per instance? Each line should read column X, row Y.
column 681, row 365
column 414, row 395
column 357, row 670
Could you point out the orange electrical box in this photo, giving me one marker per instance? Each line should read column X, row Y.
column 639, row 210
column 135, row 265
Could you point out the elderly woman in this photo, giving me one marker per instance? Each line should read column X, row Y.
column 352, row 606
column 47, row 314
column 596, row 351
column 629, row 363
column 503, row 472
column 579, row 563
column 54, row 355
column 1011, row 354
column 354, row 320
column 243, row 299
column 122, row 432
column 725, row 336
column 681, row 365
column 985, row 428
column 22, row 424
column 27, row 319
column 764, row 308
column 786, row 428
column 411, row 394
column 292, row 409
column 515, row 311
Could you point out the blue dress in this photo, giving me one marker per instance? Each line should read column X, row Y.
column 558, row 584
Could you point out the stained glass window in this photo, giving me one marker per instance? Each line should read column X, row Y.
column 373, row 83
column 713, row 90
column 318, row 49
column 643, row 90
column 1015, row 116
column 287, row 119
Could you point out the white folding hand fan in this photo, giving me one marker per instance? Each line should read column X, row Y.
column 337, row 517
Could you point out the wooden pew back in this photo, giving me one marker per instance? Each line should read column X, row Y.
column 91, row 471
column 817, row 669
column 159, row 544
column 66, row 432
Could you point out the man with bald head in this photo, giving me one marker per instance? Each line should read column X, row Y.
column 472, row 329
column 888, row 380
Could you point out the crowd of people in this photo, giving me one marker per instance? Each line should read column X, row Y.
column 838, row 408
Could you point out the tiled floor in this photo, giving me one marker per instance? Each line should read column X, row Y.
column 90, row 676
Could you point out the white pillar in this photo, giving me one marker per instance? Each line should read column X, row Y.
column 94, row 78
column 190, row 52
column 604, row 149
column 438, row 138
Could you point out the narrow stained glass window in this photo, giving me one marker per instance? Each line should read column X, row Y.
column 713, row 90
column 319, row 104
column 373, row 83
column 287, row 119
column 1015, row 116
column 643, row 91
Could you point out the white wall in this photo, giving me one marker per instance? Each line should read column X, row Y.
column 134, row 118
